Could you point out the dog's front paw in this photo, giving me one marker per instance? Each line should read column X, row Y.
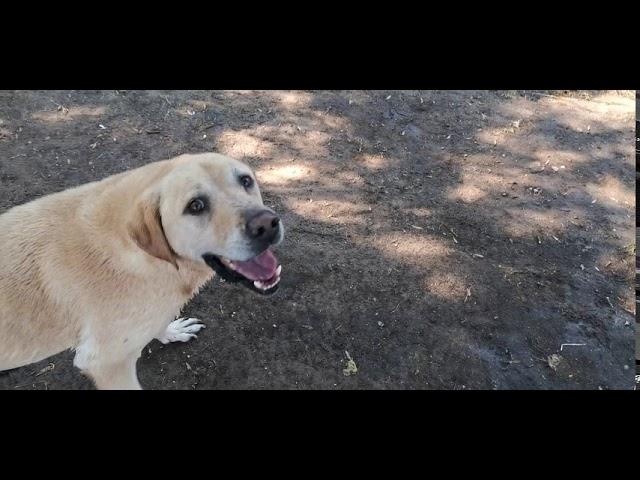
column 182, row 330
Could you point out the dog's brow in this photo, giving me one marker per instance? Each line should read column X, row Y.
column 199, row 194
column 239, row 172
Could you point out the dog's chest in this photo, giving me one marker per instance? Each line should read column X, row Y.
column 192, row 278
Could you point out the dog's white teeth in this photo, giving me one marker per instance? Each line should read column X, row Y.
column 264, row 286
column 278, row 270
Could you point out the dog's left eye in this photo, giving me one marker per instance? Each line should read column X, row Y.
column 246, row 181
column 196, row 206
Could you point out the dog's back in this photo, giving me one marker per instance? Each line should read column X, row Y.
column 27, row 309
column 49, row 254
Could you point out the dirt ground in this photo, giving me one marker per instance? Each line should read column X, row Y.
column 444, row 239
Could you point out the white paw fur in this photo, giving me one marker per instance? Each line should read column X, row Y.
column 181, row 330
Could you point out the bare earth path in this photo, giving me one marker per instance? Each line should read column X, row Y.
column 444, row 239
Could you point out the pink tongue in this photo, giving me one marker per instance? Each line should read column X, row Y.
column 262, row 267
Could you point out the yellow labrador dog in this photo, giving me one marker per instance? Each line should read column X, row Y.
column 106, row 267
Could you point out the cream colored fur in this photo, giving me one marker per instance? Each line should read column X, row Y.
column 106, row 267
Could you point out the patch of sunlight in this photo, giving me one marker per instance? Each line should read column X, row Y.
column 611, row 192
column 71, row 113
column 476, row 184
column 281, row 174
column 243, row 144
column 293, row 100
column 335, row 212
column 558, row 158
column 333, row 121
column 409, row 247
column 447, row 286
column 283, row 139
column 519, row 223
column 419, row 212
column 467, row 193
column 580, row 115
column 373, row 162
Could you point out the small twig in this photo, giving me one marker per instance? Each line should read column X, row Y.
column 33, row 384
column 572, row 344
column 449, row 228
column 468, row 295
column 546, row 95
column 395, row 308
column 61, row 108
column 46, row 369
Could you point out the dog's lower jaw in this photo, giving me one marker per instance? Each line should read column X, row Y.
column 232, row 277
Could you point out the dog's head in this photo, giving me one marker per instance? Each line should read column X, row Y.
column 208, row 208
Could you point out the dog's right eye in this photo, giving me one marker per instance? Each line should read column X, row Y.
column 196, row 206
column 246, row 181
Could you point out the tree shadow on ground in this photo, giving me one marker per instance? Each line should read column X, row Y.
column 446, row 240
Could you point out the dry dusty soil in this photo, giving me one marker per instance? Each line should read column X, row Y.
column 444, row 239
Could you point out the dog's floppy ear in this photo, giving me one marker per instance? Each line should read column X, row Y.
column 146, row 229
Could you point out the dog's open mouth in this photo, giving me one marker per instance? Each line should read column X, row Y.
column 261, row 273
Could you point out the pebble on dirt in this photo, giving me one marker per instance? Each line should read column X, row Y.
column 351, row 368
column 554, row 360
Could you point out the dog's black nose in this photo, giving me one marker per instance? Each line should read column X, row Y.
column 263, row 226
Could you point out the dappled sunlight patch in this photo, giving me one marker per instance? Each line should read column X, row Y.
column 490, row 136
column 585, row 116
column 534, row 224
column 447, row 286
column 558, row 158
column 611, row 192
column 282, row 174
column 624, row 98
column 341, row 124
column 243, row 144
column 346, row 178
column 478, row 184
column 329, row 211
column 311, row 143
column 293, row 100
column 70, row 113
column 308, row 143
column 411, row 248
column 373, row 162
column 520, row 110
column 604, row 103
column 497, row 136
column 420, row 212
column 467, row 193
column 535, row 120
column 510, row 142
